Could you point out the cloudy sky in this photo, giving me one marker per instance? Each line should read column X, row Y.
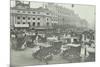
column 84, row 11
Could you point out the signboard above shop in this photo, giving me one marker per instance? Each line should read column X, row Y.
column 21, row 25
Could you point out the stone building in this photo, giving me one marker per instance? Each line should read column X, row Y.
column 45, row 16
column 24, row 16
column 66, row 16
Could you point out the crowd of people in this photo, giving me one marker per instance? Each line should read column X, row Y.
column 21, row 39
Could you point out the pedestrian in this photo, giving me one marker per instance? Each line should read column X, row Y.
column 84, row 53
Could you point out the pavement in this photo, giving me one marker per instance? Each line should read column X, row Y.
column 24, row 58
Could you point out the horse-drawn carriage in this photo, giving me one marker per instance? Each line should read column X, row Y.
column 46, row 53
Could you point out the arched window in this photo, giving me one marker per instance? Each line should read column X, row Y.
column 38, row 24
column 33, row 23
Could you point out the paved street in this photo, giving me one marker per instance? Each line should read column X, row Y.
column 25, row 58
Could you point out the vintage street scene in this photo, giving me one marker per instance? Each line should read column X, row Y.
column 43, row 33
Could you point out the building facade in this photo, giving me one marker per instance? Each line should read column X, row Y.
column 22, row 16
column 65, row 15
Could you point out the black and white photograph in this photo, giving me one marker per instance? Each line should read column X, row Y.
column 44, row 33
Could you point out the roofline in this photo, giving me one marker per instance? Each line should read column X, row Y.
column 30, row 9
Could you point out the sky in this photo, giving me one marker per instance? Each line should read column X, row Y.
column 86, row 12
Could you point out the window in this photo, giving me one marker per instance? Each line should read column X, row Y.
column 18, row 17
column 33, row 12
column 38, row 18
column 28, row 18
column 33, row 18
column 47, row 23
column 29, row 23
column 23, row 22
column 24, row 18
column 18, row 22
column 33, row 23
column 38, row 24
